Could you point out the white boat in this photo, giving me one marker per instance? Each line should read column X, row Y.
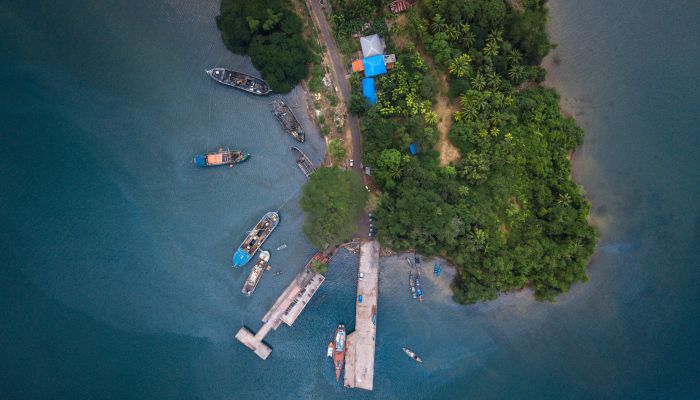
column 411, row 354
column 254, row 277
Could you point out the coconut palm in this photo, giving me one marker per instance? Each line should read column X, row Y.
column 516, row 73
column 478, row 81
column 453, row 33
column 513, row 56
column 438, row 24
column 460, row 66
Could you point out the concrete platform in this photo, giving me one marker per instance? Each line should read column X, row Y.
column 286, row 309
column 359, row 358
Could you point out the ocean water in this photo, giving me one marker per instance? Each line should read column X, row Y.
column 115, row 250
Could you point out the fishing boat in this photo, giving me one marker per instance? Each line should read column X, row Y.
column 412, row 284
column 256, row 273
column 419, row 290
column 239, row 80
column 339, row 350
column 255, row 239
column 408, row 261
column 289, row 122
column 437, row 270
column 411, row 354
column 221, row 157
column 329, row 350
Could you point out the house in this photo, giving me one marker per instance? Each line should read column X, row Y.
column 372, row 45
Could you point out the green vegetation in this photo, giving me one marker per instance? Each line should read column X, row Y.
column 507, row 213
column 337, row 150
column 271, row 34
column 333, row 201
column 319, row 267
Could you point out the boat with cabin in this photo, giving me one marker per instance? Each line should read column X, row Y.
column 256, row 273
column 289, row 122
column 411, row 354
column 221, row 157
column 339, row 350
column 256, row 237
column 239, row 80
column 412, row 285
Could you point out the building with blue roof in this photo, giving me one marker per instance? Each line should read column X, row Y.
column 368, row 90
column 374, row 65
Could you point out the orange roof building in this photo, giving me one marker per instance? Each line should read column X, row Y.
column 357, row 66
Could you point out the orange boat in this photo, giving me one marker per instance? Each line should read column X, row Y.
column 339, row 350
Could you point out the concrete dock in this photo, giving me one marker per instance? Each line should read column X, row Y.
column 286, row 309
column 359, row 357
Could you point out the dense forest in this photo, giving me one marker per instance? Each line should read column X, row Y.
column 271, row 34
column 333, row 200
column 506, row 213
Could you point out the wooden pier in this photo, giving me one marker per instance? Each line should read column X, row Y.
column 359, row 357
column 286, row 309
column 304, row 163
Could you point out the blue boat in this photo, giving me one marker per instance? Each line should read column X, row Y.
column 437, row 270
column 419, row 290
column 255, row 239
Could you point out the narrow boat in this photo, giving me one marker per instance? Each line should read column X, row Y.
column 329, row 350
column 239, row 80
column 304, row 162
column 411, row 354
column 419, row 290
column 339, row 350
column 221, row 157
column 408, row 261
column 437, row 270
column 255, row 239
column 289, row 122
column 256, row 273
column 282, row 247
column 412, row 284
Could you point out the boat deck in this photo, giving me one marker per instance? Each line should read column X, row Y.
column 359, row 358
column 304, row 163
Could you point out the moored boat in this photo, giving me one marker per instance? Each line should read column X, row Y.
column 412, row 284
column 256, row 273
column 255, row 239
column 329, row 350
column 289, row 122
column 419, row 290
column 411, row 354
column 221, row 157
column 239, row 80
column 339, row 350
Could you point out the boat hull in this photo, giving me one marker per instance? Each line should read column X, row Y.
column 339, row 350
column 240, row 81
column 257, row 236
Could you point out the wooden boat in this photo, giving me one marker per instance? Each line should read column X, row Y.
column 289, row 122
column 239, row 80
column 220, row 157
column 256, row 273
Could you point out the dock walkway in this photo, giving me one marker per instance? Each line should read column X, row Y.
column 359, row 358
column 286, row 309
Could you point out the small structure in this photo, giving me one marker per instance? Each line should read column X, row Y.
column 357, row 66
column 398, row 6
column 374, row 65
column 368, row 90
column 389, row 60
column 372, row 45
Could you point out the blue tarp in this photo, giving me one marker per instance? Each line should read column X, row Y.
column 200, row 160
column 374, row 65
column 368, row 90
column 413, row 148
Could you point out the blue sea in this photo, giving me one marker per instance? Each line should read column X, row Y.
column 115, row 250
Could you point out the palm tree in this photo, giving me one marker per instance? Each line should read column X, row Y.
column 453, row 33
column 514, row 57
column 459, row 66
column 438, row 24
column 516, row 73
column 478, row 81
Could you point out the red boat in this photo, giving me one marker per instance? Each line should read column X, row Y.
column 339, row 350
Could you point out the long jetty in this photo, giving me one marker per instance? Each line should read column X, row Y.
column 286, row 309
column 359, row 357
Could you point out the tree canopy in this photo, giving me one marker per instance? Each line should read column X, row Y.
column 271, row 34
column 333, row 200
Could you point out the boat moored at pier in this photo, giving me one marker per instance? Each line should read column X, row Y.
column 239, row 80
column 256, row 273
column 339, row 350
column 220, row 157
column 256, row 237
column 289, row 122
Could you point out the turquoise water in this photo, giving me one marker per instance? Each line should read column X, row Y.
column 116, row 280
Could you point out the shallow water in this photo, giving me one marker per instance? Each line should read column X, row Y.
column 116, row 251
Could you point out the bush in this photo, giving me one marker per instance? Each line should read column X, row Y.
column 336, row 150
